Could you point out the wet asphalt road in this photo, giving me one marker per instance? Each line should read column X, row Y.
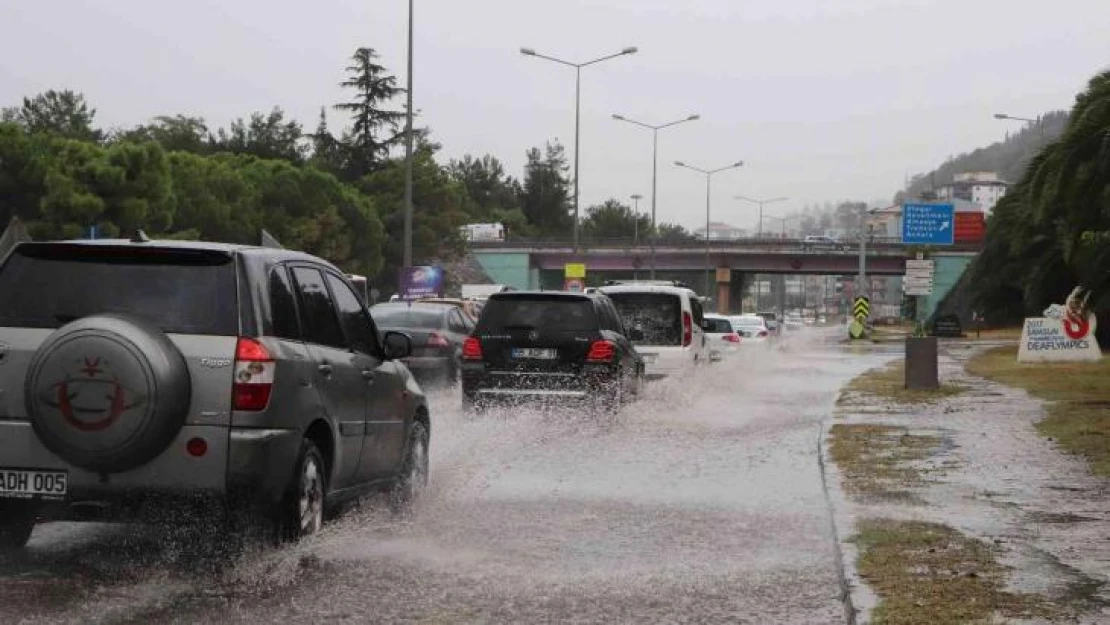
column 701, row 503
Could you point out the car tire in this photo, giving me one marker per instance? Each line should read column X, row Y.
column 413, row 480
column 301, row 513
column 16, row 525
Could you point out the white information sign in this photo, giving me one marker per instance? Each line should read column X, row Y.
column 1065, row 334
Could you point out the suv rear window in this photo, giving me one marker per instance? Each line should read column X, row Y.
column 550, row 313
column 657, row 315
column 181, row 291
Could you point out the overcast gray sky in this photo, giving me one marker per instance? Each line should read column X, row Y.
column 823, row 99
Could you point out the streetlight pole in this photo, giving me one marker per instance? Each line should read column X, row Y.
column 1036, row 122
column 636, row 197
column 708, row 177
column 407, row 260
column 655, row 168
column 577, row 113
column 635, row 237
column 761, row 203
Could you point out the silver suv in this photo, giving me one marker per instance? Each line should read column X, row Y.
column 135, row 374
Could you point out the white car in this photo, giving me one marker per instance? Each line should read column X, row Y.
column 722, row 337
column 753, row 329
column 671, row 320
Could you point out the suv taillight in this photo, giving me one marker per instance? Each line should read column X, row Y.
column 601, row 351
column 687, row 329
column 472, row 349
column 762, row 333
column 254, row 376
column 435, row 339
column 731, row 337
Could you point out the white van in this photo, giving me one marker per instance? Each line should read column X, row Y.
column 672, row 323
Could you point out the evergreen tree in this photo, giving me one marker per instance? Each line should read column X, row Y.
column 374, row 128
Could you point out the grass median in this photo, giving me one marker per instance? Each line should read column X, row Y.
column 889, row 383
column 1078, row 412
column 931, row 573
column 877, row 461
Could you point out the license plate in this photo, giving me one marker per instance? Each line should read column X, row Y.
column 31, row 483
column 650, row 357
column 535, row 353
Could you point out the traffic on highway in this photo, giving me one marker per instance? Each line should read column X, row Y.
column 588, row 312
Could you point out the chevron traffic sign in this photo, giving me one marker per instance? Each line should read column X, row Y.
column 861, row 308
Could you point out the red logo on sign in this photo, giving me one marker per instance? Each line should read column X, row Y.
column 1076, row 327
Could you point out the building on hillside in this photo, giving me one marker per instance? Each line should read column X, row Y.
column 983, row 188
column 719, row 231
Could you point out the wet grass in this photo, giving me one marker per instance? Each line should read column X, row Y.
column 875, row 459
column 995, row 334
column 931, row 573
column 1078, row 415
column 889, row 383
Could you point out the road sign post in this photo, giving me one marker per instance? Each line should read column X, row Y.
column 574, row 277
column 861, row 310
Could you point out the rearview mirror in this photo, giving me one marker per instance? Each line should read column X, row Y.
column 396, row 345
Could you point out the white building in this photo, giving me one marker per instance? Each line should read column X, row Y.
column 983, row 188
column 721, row 232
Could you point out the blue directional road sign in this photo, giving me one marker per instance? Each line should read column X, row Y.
column 928, row 224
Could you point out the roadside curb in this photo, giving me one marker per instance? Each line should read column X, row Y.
column 851, row 586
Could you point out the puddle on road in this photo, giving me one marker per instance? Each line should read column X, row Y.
column 700, row 479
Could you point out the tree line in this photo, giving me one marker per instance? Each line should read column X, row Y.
column 1051, row 231
column 335, row 195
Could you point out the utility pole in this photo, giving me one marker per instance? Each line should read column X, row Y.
column 862, row 289
column 407, row 261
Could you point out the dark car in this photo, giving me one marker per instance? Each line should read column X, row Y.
column 437, row 330
column 135, row 374
column 550, row 345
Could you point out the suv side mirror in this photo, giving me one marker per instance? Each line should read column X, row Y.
column 396, row 345
column 635, row 334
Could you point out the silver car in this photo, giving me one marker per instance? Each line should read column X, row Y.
column 136, row 375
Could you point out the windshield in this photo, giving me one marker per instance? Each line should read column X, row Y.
column 718, row 326
column 748, row 322
column 407, row 317
column 657, row 315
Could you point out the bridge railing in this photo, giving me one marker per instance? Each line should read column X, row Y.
column 765, row 243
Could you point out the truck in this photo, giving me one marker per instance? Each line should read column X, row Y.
column 483, row 232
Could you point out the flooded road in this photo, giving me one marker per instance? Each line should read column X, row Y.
column 702, row 502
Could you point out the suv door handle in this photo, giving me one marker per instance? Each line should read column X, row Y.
column 325, row 369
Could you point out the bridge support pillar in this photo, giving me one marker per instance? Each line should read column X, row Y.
column 724, row 289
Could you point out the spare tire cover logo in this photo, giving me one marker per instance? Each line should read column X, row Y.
column 91, row 397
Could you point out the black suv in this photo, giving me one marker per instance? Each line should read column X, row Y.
column 141, row 372
column 550, row 345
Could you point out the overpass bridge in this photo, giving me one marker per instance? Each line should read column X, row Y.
column 535, row 264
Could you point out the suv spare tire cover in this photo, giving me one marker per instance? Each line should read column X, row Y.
column 108, row 392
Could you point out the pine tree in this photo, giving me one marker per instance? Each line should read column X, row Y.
column 374, row 128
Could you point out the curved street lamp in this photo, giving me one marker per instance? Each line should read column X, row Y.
column 577, row 111
column 708, row 173
column 655, row 166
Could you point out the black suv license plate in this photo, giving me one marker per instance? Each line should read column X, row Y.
column 535, row 353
